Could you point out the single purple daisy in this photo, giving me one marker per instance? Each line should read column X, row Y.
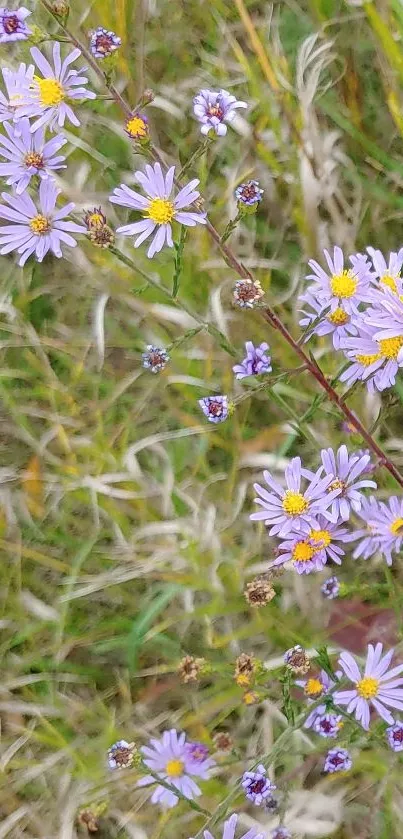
column 337, row 760
column 280, row 832
column 386, row 523
column 340, row 287
column 18, row 85
column 35, row 229
column 255, row 362
column 285, row 510
column 330, row 588
column 387, row 274
column 249, row 194
column 13, row 26
column 103, row 42
column 247, row 293
column 377, row 687
column 28, row 154
column 375, row 360
column 229, row 831
column 155, row 359
column 325, row 321
column 169, row 759
column 257, row 786
column 314, row 688
column 50, row 96
column 369, row 543
column 327, row 725
column 158, row 208
column 394, row 735
column 310, row 547
column 215, row 408
column 345, row 469
column 213, row 109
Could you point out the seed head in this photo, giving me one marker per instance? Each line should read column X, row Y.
column 60, row 8
column 259, row 592
column 121, row 755
column 222, row 741
column 102, row 237
column 297, row 660
column 190, row 668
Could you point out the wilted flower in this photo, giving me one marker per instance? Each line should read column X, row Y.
column 330, row 588
column 215, row 408
column 257, row 786
column 244, row 669
column 155, row 359
column 222, row 741
column 337, row 760
column 345, row 469
column 189, row 668
column 28, row 154
column 327, row 725
column 259, row 592
column 214, row 109
column 13, row 26
column 255, row 362
column 394, row 735
column 250, row 697
column 137, row 127
column 378, row 686
column 121, row 755
column 94, row 218
column 229, row 831
column 104, row 42
column 89, row 819
column 102, row 237
column 248, row 194
column 170, row 760
column 32, row 230
column 158, row 208
column 297, row 660
column 247, row 293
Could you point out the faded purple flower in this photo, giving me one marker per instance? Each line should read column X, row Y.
column 158, row 208
column 394, row 735
column 155, row 359
column 327, row 725
column 213, row 109
column 229, row 831
column 297, row 659
column 378, row 687
column 345, row 469
column 249, row 193
column 337, row 760
column 104, row 42
column 255, row 362
column 257, row 786
column 247, row 293
column 169, row 759
column 13, row 26
column 18, row 85
column 215, row 408
column 36, row 229
column 330, row 588
column 28, row 154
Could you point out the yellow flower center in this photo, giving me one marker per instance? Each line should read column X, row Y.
column 302, row 552
column 396, row 527
column 367, row 360
column 39, row 225
column 243, row 680
column 294, row 503
column 313, row 688
column 136, row 127
column 34, row 159
column 95, row 220
column 390, row 347
column 344, row 284
column 339, row 317
column 161, row 211
column 337, row 484
column 322, row 538
column 174, row 768
column 367, row 687
column 389, row 281
column 50, row 91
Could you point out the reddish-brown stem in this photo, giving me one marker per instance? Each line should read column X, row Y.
column 231, row 260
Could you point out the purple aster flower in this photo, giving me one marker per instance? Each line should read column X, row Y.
column 286, row 509
column 158, row 208
column 325, row 321
column 330, row 588
column 28, row 154
column 249, row 193
column 36, row 229
column 386, row 523
column 257, row 786
column 197, row 752
column 387, row 274
column 50, row 96
column 394, row 735
column 327, row 725
column 375, row 359
column 369, row 544
column 104, row 42
column 345, row 469
column 13, row 26
column 387, row 318
column 121, row 755
column 215, row 408
column 255, row 362
column 214, row 109
column 337, row 760
column 18, row 91
column 341, row 287
column 155, row 359
column 314, row 688
column 169, row 759
column 229, row 831
column 280, row 832
column 310, row 547
column 247, row 293
column 378, row 686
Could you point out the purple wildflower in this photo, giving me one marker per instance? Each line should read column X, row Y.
column 247, row 293
column 286, row 509
column 51, row 94
column 337, row 760
column 28, row 154
column 104, row 42
column 229, row 831
column 257, row 786
column 13, row 26
column 376, row 353
column 35, row 229
column 18, row 91
column 158, row 208
column 369, row 544
column 387, row 274
column 155, row 359
column 215, row 408
column 378, row 686
column 330, row 588
column 311, row 546
column 255, row 362
column 340, row 287
column 169, row 759
column 249, row 193
column 197, row 752
column 345, row 469
column 314, row 688
column 280, row 832
column 214, row 109
column 386, row 523
column 394, row 735
column 327, row 725
column 325, row 321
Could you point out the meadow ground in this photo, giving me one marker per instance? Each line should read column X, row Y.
column 125, row 533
